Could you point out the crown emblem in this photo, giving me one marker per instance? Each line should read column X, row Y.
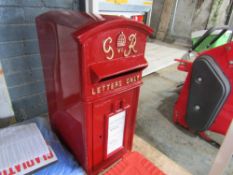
column 121, row 42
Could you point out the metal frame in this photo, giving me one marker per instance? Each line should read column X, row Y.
column 211, row 30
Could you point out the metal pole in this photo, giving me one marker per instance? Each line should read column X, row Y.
column 174, row 17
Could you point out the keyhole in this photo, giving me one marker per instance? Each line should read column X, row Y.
column 100, row 137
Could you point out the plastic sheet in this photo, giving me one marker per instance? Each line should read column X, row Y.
column 66, row 163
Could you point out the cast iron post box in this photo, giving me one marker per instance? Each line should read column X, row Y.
column 93, row 71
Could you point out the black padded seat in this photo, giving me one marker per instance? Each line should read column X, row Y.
column 209, row 89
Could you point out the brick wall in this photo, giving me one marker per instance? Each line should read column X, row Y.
column 19, row 53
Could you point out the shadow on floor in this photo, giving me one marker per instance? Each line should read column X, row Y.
column 166, row 109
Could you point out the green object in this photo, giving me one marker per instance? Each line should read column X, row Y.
column 206, row 43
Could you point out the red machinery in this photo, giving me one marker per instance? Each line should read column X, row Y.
column 206, row 101
column 93, row 71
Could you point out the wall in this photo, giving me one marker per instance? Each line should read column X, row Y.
column 231, row 20
column 179, row 18
column 201, row 16
column 165, row 19
column 218, row 13
column 181, row 21
column 20, row 53
column 157, row 8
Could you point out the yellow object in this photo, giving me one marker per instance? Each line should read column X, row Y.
column 118, row 1
column 147, row 2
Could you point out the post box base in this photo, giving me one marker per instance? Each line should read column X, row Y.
column 107, row 164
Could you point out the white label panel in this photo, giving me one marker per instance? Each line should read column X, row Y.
column 116, row 125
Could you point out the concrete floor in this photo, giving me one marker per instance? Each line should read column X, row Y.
column 160, row 55
column 154, row 124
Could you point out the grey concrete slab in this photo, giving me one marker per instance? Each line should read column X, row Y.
column 31, row 47
column 24, row 77
column 59, row 3
column 29, row 107
column 21, row 64
column 10, row 33
column 21, row 91
column 11, row 49
column 17, row 32
column 27, row 3
column 18, row 48
column 31, row 13
column 11, row 15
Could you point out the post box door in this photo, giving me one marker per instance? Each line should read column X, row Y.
column 113, row 125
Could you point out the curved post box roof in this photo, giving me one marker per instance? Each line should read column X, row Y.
column 88, row 25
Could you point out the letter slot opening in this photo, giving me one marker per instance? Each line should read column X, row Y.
column 105, row 71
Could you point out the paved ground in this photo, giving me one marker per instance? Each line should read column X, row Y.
column 160, row 55
column 165, row 164
column 154, row 124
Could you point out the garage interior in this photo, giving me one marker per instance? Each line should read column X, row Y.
column 169, row 146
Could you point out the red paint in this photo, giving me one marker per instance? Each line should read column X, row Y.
column 37, row 160
column 18, row 168
column 50, row 155
column 11, row 171
column 45, row 157
column 221, row 55
column 184, row 65
column 138, row 18
column 83, row 86
column 25, row 166
column 134, row 163
column 30, row 163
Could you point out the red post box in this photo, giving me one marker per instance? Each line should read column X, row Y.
column 93, row 71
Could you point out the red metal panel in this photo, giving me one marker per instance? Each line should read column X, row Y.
column 104, row 109
column 91, row 65
column 134, row 163
column 223, row 57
